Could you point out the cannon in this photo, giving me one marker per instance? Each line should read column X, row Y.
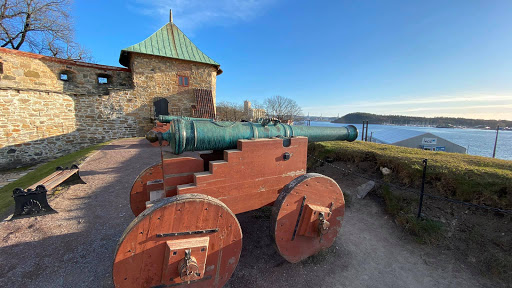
column 192, row 135
column 186, row 231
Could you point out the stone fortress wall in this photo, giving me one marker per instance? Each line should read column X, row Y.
column 43, row 117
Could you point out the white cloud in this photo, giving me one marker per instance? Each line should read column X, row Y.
column 428, row 100
column 472, row 106
column 191, row 14
column 507, row 106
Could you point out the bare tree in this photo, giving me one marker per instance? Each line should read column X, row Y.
column 256, row 104
column 227, row 111
column 282, row 108
column 44, row 25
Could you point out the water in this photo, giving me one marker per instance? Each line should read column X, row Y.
column 478, row 142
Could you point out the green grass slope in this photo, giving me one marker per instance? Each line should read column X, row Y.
column 474, row 179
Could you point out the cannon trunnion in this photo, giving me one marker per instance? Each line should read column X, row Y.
column 186, row 231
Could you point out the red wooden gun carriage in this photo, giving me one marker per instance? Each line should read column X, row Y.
column 186, row 232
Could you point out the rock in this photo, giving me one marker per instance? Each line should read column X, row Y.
column 8, row 77
column 31, row 73
column 385, row 171
column 362, row 190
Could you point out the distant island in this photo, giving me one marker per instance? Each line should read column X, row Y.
column 440, row 122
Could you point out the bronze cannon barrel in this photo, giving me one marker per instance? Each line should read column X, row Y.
column 197, row 135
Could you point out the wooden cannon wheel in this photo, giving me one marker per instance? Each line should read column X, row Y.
column 187, row 240
column 307, row 216
column 137, row 196
column 178, row 171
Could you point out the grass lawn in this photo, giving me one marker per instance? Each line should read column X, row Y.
column 44, row 170
column 469, row 178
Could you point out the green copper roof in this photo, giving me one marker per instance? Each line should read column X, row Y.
column 170, row 42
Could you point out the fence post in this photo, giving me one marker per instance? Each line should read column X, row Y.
column 366, row 133
column 496, row 141
column 422, row 187
column 362, row 134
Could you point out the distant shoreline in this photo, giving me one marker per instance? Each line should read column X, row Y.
column 430, row 126
column 437, row 122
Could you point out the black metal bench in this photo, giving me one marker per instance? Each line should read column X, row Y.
column 33, row 201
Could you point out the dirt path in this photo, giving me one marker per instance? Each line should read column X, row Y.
column 75, row 247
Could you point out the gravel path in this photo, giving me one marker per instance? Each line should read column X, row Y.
column 75, row 247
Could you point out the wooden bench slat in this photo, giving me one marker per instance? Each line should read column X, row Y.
column 54, row 179
column 46, row 179
column 54, row 182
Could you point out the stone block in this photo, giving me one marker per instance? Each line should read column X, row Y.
column 31, row 73
column 364, row 189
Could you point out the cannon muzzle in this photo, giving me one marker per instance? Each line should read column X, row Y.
column 198, row 135
column 152, row 136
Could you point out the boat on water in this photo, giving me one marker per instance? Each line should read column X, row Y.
column 445, row 126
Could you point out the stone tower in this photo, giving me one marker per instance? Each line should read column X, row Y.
column 175, row 77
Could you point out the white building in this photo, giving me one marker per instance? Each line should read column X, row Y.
column 415, row 139
column 253, row 114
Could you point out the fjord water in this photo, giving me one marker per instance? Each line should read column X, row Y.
column 478, row 142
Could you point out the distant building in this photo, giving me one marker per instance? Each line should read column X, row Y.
column 253, row 114
column 416, row 139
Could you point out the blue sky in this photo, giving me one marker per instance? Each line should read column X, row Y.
column 424, row 58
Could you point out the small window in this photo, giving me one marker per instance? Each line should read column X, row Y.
column 104, row 79
column 183, row 81
column 1, row 68
column 65, row 75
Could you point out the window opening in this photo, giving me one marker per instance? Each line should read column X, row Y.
column 65, row 75
column 104, row 79
column 183, row 81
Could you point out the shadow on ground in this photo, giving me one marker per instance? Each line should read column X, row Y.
column 75, row 247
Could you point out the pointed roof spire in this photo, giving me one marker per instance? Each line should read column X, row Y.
column 168, row 41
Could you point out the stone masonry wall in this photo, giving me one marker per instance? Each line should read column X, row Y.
column 37, row 126
column 43, row 117
column 32, row 71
